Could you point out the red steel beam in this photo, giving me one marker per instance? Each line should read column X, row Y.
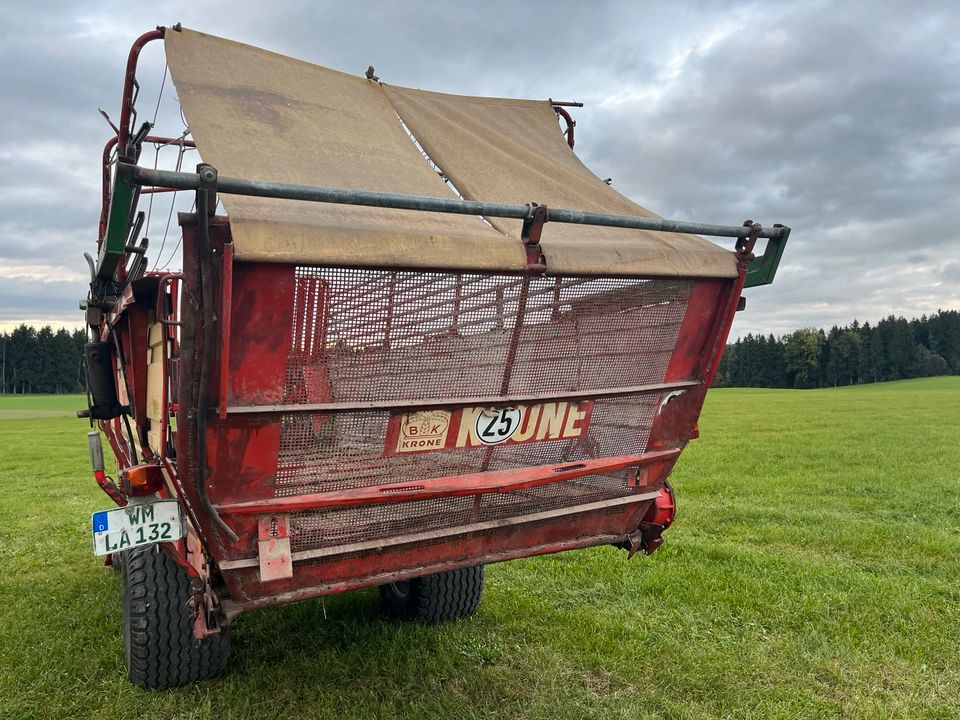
column 726, row 322
column 499, row 481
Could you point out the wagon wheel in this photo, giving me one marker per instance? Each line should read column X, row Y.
column 433, row 599
column 158, row 641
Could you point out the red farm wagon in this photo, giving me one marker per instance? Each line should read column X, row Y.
column 413, row 335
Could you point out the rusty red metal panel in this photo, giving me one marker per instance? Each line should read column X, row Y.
column 699, row 322
column 242, row 459
column 711, row 303
column 338, row 574
column 191, row 349
column 261, row 322
column 725, row 320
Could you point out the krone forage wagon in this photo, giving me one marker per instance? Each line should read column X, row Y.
column 413, row 335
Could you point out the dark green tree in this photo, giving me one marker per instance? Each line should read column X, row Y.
column 802, row 353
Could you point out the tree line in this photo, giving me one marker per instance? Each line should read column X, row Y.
column 893, row 349
column 41, row 361
column 49, row 361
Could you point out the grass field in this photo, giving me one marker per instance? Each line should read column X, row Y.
column 813, row 572
column 21, row 407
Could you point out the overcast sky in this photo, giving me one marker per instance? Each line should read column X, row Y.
column 840, row 119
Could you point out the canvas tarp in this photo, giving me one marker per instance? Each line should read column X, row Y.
column 512, row 151
column 262, row 116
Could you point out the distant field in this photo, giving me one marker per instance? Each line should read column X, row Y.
column 14, row 407
column 813, row 572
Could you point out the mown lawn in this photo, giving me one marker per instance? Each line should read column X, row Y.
column 18, row 407
column 813, row 572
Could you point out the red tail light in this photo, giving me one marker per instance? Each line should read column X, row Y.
column 143, row 479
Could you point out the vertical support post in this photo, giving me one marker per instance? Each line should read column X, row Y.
column 555, row 308
column 744, row 250
column 391, row 297
column 457, row 303
column 206, row 203
column 226, row 306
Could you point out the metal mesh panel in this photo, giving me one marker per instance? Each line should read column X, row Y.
column 348, row 451
column 391, row 335
column 434, row 542
column 337, row 527
column 371, row 335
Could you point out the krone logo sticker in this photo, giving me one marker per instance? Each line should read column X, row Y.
column 496, row 425
column 474, row 426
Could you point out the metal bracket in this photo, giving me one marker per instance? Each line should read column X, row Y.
column 632, row 542
column 276, row 562
column 530, row 233
column 135, row 144
column 746, row 244
column 208, row 185
column 763, row 269
column 558, row 108
column 647, row 537
column 205, row 606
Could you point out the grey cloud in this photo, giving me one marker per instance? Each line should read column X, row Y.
column 840, row 120
column 49, row 301
column 950, row 273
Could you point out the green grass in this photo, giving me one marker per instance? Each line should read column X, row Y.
column 813, row 572
column 19, row 407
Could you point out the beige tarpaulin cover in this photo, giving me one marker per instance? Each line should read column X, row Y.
column 262, row 116
column 512, row 151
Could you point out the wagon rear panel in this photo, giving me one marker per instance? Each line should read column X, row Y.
column 351, row 405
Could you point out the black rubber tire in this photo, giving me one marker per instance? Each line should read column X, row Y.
column 433, row 599
column 158, row 641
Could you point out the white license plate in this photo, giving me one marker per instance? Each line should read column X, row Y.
column 129, row 527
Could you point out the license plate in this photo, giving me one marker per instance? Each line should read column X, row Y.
column 135, row 525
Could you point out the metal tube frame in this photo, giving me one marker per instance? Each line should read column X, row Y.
column 127, row 112
column 503, row 399
column 141, row 176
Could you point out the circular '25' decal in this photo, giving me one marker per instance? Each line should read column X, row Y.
column 497, row 424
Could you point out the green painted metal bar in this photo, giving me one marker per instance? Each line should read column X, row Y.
column 122, row 201
column 762, row 270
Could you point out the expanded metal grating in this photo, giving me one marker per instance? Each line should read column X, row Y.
column 349, row 525
column 375, row 335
